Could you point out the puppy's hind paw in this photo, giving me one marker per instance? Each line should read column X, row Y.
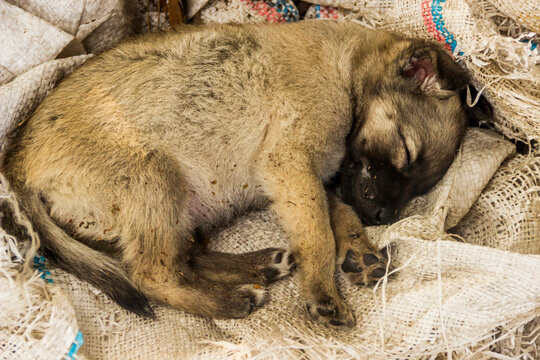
column 245, row 300
column 281, row 265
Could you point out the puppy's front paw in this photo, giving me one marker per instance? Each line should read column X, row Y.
column 331, row 312
column 364, row 269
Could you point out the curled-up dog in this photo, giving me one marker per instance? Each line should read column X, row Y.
column 129, row 164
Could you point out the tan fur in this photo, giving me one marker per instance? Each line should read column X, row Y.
column 166, row 134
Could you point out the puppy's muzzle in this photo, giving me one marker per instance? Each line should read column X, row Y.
column 378, row 216
column 375, row 198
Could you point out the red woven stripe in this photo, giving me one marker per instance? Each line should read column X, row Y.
column 430, row 25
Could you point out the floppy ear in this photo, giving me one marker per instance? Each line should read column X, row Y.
column 481, row 112
column 431, row 69
column 422, row 72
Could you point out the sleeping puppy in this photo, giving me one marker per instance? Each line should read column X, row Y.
column 140, row 153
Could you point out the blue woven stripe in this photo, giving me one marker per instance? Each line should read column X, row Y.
column 288, row 11
column 318, row 11
column 436, row 14
column 40, row 266
column 532, row 45
column 77, row 343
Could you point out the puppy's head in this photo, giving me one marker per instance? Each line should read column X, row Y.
column 411, row 118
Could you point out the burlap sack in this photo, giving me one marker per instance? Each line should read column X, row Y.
column 471, row 295
column 527, row 13
column 249, row 11
column 507, row 214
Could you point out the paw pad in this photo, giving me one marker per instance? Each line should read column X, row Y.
column 378, row 273
column 281, row 265
column 331, row 312
column 370, row 259
column 364, row 269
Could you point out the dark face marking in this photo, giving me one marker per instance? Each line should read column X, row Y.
column 395, row 158
column 379, row 179
column 409, row 123
column 376, row 194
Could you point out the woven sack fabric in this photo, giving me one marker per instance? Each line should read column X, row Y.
column 250, row 11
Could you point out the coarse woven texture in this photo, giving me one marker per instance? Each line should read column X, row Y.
column 357, row 5
column 473, row 295
column 512, row 198
column 326, row 12
column 37, row 319
column 249, row 11
column 527, row 13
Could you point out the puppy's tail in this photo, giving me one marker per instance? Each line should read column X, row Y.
column 87, row 264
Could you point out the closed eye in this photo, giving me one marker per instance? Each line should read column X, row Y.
column 407, row 163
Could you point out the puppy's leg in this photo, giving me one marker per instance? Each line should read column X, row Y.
column 177, row 286
column 155, row 241
column 261, row 267
column 300, row 203
column 360, row 261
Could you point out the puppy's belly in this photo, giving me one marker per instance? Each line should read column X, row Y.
column 211, row 207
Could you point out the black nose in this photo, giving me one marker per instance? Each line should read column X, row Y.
column 382, row 216
column 379, row 216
